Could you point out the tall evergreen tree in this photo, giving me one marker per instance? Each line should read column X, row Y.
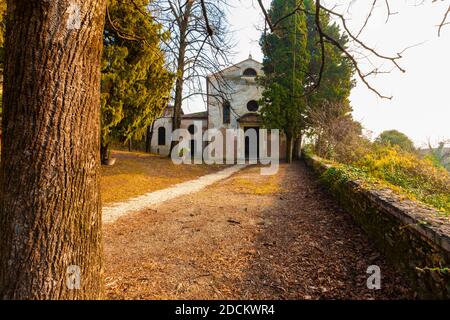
column 135, row 82
column 335, row 85
column 293, row 63
column 336, row 81
column 285, row 58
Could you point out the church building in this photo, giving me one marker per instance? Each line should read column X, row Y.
column 232, row 105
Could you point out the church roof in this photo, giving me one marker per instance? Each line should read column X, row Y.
column 197, row 115
column 240, row 65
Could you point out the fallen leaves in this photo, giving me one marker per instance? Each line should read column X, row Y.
column 302, row 246
column 136, row 173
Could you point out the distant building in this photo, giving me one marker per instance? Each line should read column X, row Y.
column 162, row 129
column 239, row 111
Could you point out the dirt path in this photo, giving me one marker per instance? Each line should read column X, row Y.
column 247, row 237
column 136, row 173
column 152, row 199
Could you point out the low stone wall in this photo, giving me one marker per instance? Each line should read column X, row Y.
column 413, row 237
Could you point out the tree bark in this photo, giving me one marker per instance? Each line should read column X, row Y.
column 149, row 137
column 104, row 152
column 298, row 148
column 50, row 209
column 179, row 83
column 289, row 148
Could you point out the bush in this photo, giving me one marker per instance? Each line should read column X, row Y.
column 397, row 139
column 421, row 179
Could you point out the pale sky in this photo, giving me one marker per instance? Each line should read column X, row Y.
column 421, row 104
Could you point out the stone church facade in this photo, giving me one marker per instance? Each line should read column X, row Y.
column 230, row 106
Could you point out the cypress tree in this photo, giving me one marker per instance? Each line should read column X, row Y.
column 285, row 58
column 135, row 82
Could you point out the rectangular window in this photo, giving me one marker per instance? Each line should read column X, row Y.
column 161, row 136
column 226, row 112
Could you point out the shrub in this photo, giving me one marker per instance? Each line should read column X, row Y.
column 395, row 138
column 421, row 179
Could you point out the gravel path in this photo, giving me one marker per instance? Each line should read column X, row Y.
column 152, row 199
column 246, row 237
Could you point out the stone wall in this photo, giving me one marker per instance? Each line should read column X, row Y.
column 413, row 237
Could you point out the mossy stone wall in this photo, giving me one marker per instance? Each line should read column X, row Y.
column 413, row 237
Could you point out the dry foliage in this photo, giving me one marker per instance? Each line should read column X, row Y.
column 259, row 185
column 420, row 178
column 221, row 243
column 335, row 134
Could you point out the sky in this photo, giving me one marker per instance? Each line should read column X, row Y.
column 420, row 106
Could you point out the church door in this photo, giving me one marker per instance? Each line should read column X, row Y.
column 249, row 141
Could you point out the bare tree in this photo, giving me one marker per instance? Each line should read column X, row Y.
column 334, row 132
column 359, row 50
column 445, row 19
column 199, row 46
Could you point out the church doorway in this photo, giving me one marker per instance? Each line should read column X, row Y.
column 250, row 140
column 192, row 129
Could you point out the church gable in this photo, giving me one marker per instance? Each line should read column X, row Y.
column 245, row 69
column 242, row 95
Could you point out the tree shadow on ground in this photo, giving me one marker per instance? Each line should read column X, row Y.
column 309, row 248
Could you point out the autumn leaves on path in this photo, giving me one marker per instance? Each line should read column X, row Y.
column 246, row 237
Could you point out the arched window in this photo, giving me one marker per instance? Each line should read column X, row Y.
column 250, row 72
column 161, row 136
column 226, row 112
column 191, row 129
column 252, row 106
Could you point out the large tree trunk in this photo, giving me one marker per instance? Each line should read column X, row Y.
column 50, row 210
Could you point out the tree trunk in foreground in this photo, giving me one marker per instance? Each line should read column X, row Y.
column 50, row 211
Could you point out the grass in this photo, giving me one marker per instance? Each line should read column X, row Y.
column 138, row 173
column 260, row 186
